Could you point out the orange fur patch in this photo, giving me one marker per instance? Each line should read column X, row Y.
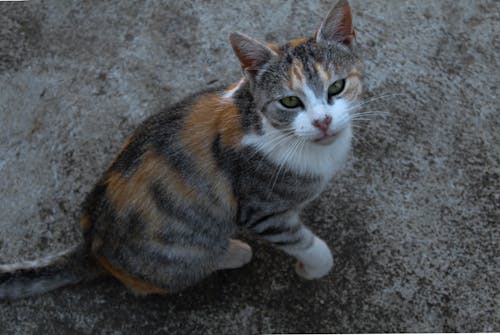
column 297, row 78
column 211, row 116
column 354, row 87
column 273, row 47
column 229, row 127
column 134, row 190
column 298, row 41
column 136, row 285
column 232, row 87
column 355, row 73
column 322, row 73
column 85, row 222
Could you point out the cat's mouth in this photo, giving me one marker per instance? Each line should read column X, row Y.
column 326, row 138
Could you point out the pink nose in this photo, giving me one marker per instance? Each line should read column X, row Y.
column 323, row 124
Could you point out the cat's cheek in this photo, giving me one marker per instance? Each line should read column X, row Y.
column 302, row 125
column 340, row 113
column 315, row 262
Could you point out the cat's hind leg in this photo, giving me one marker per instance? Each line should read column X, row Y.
column 134, row 284
column 147, row 266
column 159, row 269
column 238, row 254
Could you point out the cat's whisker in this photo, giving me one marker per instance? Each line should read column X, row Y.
column 289, row 153
column 275, row 141
column 372, row 112
column 361, row 119
column 367, row 116
column 275, row 175
column 383, row 96
column 344, row 121
column 370, row 100
column 274, row 144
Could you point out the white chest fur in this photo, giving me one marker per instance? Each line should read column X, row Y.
column 303, row 157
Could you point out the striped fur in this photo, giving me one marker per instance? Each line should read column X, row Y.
column 29, row 278
column 163, row 215
column 38, row 263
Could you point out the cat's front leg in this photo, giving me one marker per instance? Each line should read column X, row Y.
column 313, row 262
column 286, row 232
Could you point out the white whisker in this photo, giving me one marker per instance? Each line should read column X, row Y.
column 289, row 152
column 370, row 100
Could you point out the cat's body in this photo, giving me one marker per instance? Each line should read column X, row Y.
column 250, row 156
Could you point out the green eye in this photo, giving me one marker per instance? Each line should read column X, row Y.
column 291, row 102
column 336, row 87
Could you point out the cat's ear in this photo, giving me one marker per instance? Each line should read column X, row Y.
column 251, row 53
column 337, row 27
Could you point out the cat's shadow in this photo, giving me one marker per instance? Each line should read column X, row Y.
column 269, row 277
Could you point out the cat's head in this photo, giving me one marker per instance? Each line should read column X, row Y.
column 307, row 86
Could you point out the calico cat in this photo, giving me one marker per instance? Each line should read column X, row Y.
column 251, row 156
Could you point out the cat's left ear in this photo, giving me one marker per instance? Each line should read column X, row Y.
column 337, row 27
column 251, row 53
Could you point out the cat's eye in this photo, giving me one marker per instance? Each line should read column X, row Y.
column 291, row 102
column 336, row 88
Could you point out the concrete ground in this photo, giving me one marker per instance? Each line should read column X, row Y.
column 413, row 220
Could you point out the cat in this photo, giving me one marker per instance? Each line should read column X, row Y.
column 250, row 156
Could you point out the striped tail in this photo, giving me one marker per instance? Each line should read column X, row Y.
column 29, row 278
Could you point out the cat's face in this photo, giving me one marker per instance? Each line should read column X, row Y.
column 308, row 90
column 307, row 87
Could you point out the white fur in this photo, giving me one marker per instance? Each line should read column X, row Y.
column 38, row 263
column 309, row 159
column 318, row 109
column 315, row 261
column 229, row 93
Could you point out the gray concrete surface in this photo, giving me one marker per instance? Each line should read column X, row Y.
column 413, row 220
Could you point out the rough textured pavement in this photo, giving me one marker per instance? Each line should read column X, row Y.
column 413, row 220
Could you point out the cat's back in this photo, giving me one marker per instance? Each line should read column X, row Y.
column 166, row 172
column 162, row 132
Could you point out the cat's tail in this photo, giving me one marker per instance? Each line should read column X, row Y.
column 34, row 277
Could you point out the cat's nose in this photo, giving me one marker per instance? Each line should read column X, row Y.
column 323, row 124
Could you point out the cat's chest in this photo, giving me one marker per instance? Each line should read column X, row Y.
column 263, row 180
column 265, row 189
column 302, row 158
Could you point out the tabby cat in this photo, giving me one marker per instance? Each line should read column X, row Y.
column 251, row 156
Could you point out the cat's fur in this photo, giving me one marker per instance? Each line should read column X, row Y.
column 163, row 215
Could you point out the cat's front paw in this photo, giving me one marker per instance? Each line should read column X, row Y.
column 308, row 272
column 319, row 261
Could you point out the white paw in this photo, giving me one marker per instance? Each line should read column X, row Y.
column 315, row 262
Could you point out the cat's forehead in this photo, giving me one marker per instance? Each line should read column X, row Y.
column 303, row 62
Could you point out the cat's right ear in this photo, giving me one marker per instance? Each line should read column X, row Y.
column 337, row 26
column 251, row 53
